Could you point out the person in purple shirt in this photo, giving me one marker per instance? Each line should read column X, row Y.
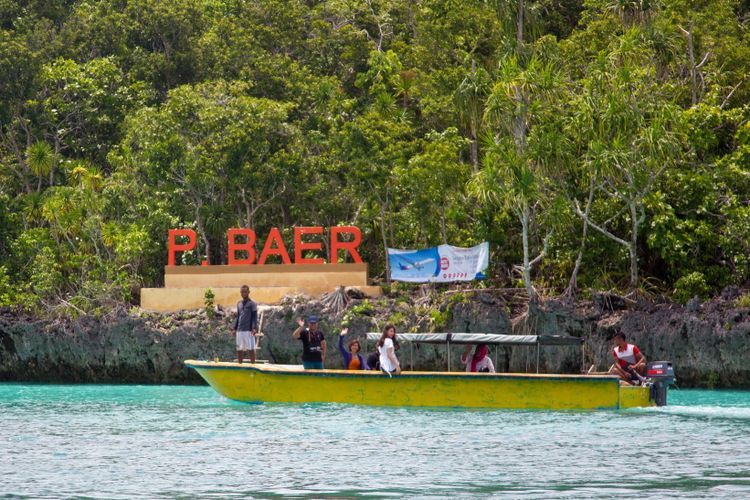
column 353, row 360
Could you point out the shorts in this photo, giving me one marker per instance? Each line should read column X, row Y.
column 245, row 341
column 312, row 365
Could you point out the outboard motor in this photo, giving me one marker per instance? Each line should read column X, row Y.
column 661, row 376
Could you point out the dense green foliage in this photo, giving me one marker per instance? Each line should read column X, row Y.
column 594, row 143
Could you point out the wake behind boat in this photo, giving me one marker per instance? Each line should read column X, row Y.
column 293, row 384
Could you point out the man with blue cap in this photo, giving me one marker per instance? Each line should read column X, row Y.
column 313, row 343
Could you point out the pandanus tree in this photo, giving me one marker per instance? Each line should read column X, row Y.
column 469, row 99
column 41, row 161
column 521, row 118
column 632, row 138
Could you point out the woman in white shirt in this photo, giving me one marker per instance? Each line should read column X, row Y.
column 388, row 361
column 480, row 361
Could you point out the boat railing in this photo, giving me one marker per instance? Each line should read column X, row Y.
column 494, row 339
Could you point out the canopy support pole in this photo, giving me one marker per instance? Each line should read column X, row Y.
column 526, row 356
column 411, row 356
column 537, row 356
column 449, row 355
column 583, row 359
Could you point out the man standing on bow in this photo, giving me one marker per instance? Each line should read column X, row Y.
column 313, row 343
column 246, row 325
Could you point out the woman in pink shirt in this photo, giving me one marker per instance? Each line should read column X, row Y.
column 480, row 361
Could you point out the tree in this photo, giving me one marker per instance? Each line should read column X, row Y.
column 84, row 105
column 41, row 160
column 521, row 152
column 431, row 188
column 633, row 138
column 470, row 98
column 210, row 146
column 372, row 146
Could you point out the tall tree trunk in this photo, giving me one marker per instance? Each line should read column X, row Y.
column 693, row 67
column 474, row 146
column 693, row 72
column 443, row 229
column 519, row 120
column 390, row 219
column 525, row 217
column 202, row 231
column 385, row 246
column 58, row 146
column 572, row 288
column 474, row 121
column 519, row 26
column 633, row 247
column 519, row 137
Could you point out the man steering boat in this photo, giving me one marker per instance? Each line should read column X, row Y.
column 630, row 363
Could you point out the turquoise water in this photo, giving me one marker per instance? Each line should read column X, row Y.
column 106, row 441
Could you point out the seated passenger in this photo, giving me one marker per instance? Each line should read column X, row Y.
column 373, row 360
column 630, row 364
column 480, row 361
column 387, row 350
column 353, row 360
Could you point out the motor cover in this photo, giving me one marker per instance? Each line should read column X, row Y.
column 660, row 370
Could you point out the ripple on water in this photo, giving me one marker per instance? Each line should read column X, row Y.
column 157, row 441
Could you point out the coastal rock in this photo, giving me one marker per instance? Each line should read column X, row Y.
column 709, row 346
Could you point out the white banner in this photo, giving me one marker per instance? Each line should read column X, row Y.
column 441, row 264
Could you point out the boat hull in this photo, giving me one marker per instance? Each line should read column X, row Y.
column 285, row 384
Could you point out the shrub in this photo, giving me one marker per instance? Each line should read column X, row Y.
column 46, row 277
column 208, row 301
column 364, row 308
column 712, row 380
column 398, row 319
column 689, row 286
column 8, row 294
column 744, row 300
column 439, row 319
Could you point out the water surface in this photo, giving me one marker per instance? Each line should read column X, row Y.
column 104, row 441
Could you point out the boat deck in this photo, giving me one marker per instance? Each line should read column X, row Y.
column 299, row 369
column 272, row 383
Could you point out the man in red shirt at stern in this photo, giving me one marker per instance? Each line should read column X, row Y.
column 629, row 361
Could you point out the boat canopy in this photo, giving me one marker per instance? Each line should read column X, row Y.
column 482, row 338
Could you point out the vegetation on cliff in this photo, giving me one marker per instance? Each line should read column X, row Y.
column 594, row 143
column 708, row 342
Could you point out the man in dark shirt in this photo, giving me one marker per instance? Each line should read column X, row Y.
column 313, row 343
column 246, row 325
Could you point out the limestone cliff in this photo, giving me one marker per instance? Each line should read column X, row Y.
column 709, row 343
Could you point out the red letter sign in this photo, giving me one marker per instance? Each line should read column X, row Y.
column 349, row 246
column 233, row 247
column 274, row 236
column 300, row 246
column 173, row 247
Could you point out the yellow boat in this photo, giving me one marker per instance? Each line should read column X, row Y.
column 256, row 383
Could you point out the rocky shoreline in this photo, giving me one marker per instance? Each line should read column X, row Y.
column 708, row 342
